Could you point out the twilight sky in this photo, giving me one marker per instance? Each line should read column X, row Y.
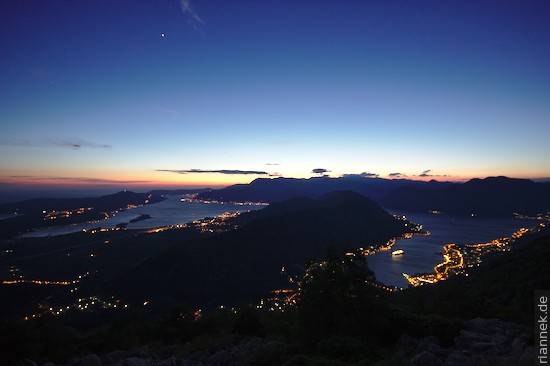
column 209, row 93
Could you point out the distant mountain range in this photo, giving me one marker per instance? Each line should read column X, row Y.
column 246, row 262
column 493, row 196
column 498, row 196
column 278, row 189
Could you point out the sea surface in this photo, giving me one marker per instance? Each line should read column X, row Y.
column 171, row 211
column 422, row 253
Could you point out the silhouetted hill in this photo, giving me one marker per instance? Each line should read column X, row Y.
column 278, row 189
column 332, row 199
column 246, row 262
column 103, row 203
column 498, row 196
column 31, row 213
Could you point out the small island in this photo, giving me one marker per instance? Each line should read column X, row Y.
column 141, row 218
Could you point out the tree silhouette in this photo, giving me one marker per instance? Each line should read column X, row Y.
column 335, row 297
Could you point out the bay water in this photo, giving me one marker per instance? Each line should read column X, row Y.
column 171, row 211
column 422, row 253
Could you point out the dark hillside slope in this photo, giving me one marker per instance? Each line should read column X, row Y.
column 31, row 213
column 248, row 261
column 333, row 199
column 103, row 203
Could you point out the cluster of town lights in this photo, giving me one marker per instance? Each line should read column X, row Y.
column 458, row 258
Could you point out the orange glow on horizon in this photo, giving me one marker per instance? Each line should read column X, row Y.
column 125, row 180
column 171, row 180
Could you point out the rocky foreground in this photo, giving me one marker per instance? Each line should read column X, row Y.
column 481, row 342
column 216, row 355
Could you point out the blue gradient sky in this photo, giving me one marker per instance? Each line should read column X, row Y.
column 123, row 92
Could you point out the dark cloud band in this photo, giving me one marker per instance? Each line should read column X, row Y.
column 221, row 171
column 426, row 173
column 319, row 171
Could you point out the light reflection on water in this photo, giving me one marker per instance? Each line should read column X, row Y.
column 422, row 253
column 168, row 212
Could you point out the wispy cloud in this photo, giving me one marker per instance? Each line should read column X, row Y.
column 363, row 175
column 320, row 171
column 369, row 175
column 172, row 112
column 71, row 143
column 272, row 164
column 75, row 180
column 427, row 173
column 192, row 17
column 220, row 171
column 397, row 175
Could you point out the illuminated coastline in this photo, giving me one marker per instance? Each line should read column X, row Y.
column 459, row 258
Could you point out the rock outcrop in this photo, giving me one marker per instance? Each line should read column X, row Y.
column 482, row 342
column 219, row 355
